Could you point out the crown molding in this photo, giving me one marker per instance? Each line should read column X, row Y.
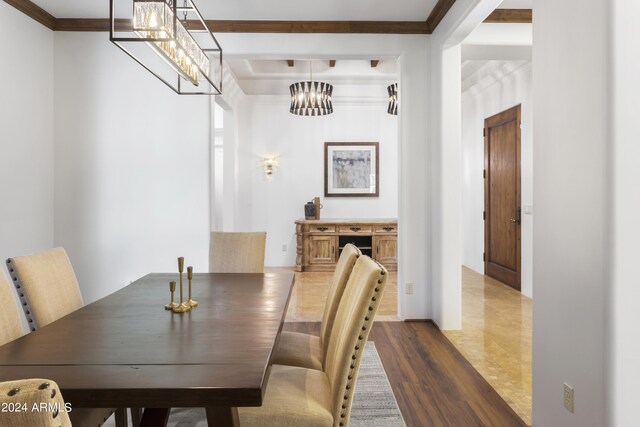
column 243, row 26
column 510, row 16
column 35, row 12
column 438, row 13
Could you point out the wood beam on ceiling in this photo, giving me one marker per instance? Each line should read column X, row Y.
column 290, row 63
column 510, row 16
column 217, row 26
column 374, row 63
column 34, row 11
column 327, row 27
column 253, row 26
column 332, row 63
column 437, row 14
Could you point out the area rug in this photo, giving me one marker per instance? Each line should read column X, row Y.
column 374, row 404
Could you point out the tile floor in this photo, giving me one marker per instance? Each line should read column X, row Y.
column 496, row 337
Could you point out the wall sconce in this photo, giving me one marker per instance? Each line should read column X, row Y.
column 270, row 166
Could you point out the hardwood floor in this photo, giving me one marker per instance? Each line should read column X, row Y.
column 433, row 383
column 496, row 337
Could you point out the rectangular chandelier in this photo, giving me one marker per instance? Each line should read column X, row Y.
column 186, row 55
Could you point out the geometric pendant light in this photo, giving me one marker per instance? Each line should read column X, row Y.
column 311, row 98
column 392, row 90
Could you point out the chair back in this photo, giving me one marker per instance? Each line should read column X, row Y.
column 347, row 260
column 47, row 286
column 351, row 328
column 30, row 393
column 237, row 252
column 10, row 327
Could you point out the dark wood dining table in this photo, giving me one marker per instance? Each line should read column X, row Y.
column 127, row 351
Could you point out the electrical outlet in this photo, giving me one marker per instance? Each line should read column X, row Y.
column 408, row 288
column 284, row 248
column 568, row 397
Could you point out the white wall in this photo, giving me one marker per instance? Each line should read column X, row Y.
column 478, row 103
column 623, row 345
column 413, row 214
column 445, row 157
column 131, row 167
column 26, row 135
column 298, row 143
column 571, row 183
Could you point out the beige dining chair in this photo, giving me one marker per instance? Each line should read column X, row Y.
column 10, row 326
column 46, row 285
column 307, row 351
column 298, row 396
column 48, row 290
column 237, row 252
column 27, row 393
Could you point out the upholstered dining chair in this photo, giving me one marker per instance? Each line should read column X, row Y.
column 32, row 392
column 46, row 285
column 48, row 290
column 308, row 351
column 298, row 396
column 237, row 252
column 10, row 326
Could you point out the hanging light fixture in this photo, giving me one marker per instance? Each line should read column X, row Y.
column 176, row 41
column 392, row 90
column 311, row 98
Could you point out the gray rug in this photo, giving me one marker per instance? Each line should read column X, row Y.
column 374, row 404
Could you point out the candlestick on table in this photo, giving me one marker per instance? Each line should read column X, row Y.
column 190, row 302
column 182, row 307
column 172, row 289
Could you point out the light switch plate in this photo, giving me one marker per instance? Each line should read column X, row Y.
column 408, row 288
column 568, row 397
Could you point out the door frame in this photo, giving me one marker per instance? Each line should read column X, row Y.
column 497, row 272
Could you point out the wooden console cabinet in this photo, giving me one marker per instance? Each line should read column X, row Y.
column 319, row 242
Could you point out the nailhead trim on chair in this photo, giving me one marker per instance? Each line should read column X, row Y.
column 24, row 302
column 355, row 354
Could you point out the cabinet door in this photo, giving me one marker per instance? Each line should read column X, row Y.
column 322, row 249
column 386, row 250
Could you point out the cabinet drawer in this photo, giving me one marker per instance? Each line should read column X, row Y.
column 355, row 229
column 386, row 228
column 322, row 228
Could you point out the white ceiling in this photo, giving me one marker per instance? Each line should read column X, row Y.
column 484, row 73
column 501, row 34
column 273, row 77
column 516, row 4
column 327, row 10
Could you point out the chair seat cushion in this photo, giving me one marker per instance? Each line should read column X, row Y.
column 89, row 417
column 296, row 349
column 294, row 397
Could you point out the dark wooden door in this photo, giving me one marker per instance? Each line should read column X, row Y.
column 502, row 197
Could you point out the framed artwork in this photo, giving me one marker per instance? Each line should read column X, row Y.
column 351, row 169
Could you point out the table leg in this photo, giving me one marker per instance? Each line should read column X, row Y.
column 155, row 417
column 136, row 416
column 221, row 416
column 121, row 417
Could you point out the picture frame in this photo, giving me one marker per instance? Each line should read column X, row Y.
column 351, row 169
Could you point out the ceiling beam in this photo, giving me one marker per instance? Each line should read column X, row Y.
column 290, row 62
column 511, row 16
column 439, row 11
column 251, row 26
column 34, row 11
column 326, row 27
column 332, row 63
column 217, row 26
column 374, row 63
